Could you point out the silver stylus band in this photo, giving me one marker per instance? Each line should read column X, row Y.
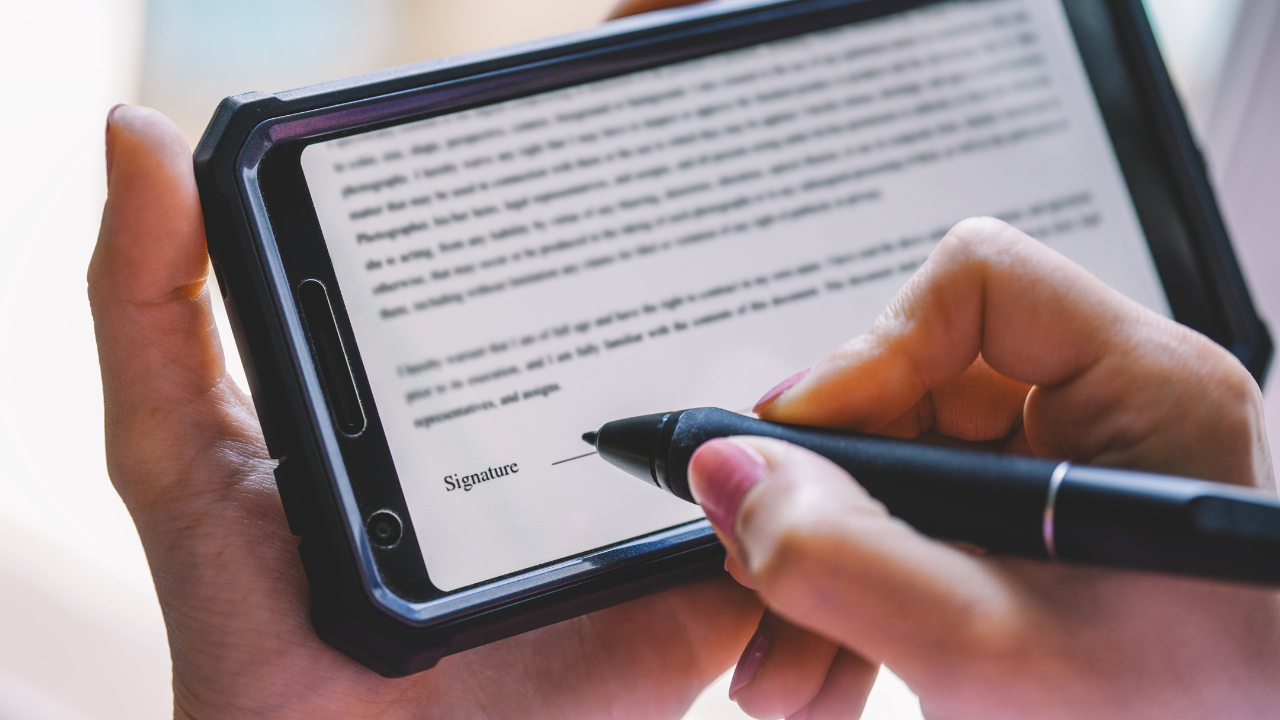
column 1055, row 481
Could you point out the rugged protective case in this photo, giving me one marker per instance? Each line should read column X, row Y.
column 351, row 609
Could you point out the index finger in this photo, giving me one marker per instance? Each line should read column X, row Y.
column 1035, row 316
column 1115, row 383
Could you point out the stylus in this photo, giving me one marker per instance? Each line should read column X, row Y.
column 1005, row 504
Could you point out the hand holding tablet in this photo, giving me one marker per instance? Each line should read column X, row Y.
column 185, row 452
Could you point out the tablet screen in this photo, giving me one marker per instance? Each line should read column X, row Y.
column 689, row 235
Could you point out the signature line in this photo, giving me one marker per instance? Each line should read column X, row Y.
column 573, row 458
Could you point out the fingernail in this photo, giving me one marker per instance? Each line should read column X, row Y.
column 778, row 389
column 720, row 473
column 801, row 714
column 109, row 141
column 749, row 663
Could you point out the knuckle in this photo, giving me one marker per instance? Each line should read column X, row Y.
column 979, row 237
column 1238, row 387
column 980, row 243
column 1217, row 376
column 1172, row 393
column 1237, row 395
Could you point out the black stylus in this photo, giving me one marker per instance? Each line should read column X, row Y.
column 1006, row 504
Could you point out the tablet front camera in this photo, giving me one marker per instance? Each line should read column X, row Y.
column 384, row 528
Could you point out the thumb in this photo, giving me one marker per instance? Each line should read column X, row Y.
column 163, row 376
column 826, row 556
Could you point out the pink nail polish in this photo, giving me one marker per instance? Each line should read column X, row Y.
column 778, row 389
column 801, row 714
column 720, row 473
column 749, row 663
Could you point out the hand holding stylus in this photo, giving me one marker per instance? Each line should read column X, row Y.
column 1002, row 343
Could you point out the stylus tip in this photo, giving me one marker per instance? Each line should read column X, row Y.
column 590, row 438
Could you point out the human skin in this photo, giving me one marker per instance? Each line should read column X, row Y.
column 185, row 452
column 186, row 455
column 999, row 342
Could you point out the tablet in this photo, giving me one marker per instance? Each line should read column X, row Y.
column 441, row 275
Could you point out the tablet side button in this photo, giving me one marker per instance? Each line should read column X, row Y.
column 331, row 358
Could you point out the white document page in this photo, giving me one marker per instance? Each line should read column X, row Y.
column 521, row 273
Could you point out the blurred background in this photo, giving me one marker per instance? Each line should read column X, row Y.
column 81, row 635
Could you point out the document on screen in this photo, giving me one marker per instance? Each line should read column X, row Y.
column 689, row 235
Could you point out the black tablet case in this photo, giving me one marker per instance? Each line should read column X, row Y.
column 344, row 613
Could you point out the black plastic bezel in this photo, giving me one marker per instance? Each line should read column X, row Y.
column 377, row 604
